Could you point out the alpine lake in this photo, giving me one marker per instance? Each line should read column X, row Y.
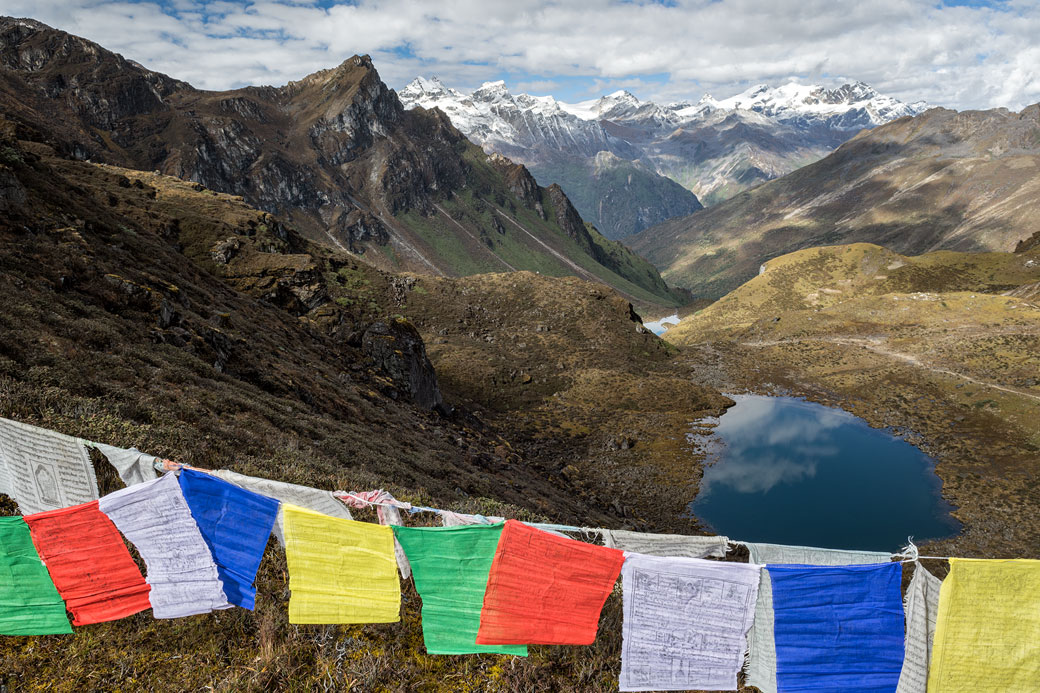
column 786, row 471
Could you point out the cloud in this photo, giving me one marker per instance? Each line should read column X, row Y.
column 765, row 441
column 963, row 56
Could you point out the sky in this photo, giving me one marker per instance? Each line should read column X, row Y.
column 954, row 53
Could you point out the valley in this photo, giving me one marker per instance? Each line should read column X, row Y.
column 941, row 348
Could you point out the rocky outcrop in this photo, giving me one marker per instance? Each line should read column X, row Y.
column 103, row 88
column 1028, row 243
column 398, row 350
column 519, row 180
column 12, row 193
column 567, row 217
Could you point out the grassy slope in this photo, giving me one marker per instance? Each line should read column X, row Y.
column 497, row 251
column 827, row 278
column 620, row 198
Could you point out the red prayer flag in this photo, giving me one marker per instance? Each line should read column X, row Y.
column 545, row 590
column 89, row 563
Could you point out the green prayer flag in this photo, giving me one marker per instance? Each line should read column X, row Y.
column 450, row 566
column 29, row 601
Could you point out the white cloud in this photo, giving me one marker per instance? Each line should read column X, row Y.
column 962, row 57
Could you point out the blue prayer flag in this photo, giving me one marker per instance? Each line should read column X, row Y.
column 236, row 525
column 837, row 628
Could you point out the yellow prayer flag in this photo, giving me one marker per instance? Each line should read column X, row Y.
column 340, row 571
column 987, row 637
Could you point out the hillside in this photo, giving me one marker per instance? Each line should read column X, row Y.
column 334, row 153
column 620, row 196
column 940, row 347
column 142, row 310
column 940, row 180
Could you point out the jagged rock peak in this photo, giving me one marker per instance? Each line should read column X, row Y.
column 353, row 68
column 26, row 22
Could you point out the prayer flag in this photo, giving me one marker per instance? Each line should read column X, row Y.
column 340, row 571
column 132, row 465
column 289, row 494
column 922, row 607
column 450, row 566
column 453, row 519
column 389, row 513
column 29, row 602
column 236, row 525
column 42, row 469
column 665, row 544
column 837, row 628
column 987, row 637
column 761, row 663
column 155, row 517
column 545, row 590
column 89, row 563
column 685, row 622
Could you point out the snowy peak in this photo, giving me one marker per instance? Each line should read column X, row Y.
column 426, row 92
column 492, row 91
column 620, row 105
column 849, row 106
column 515, row 125
column 619, row 99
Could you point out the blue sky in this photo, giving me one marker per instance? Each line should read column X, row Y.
column 955, row 53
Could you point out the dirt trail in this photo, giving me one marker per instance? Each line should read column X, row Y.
column 876, row 346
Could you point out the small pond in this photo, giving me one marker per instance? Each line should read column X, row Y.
column 786, row 471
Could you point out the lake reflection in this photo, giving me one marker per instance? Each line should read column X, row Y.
column 787, row 471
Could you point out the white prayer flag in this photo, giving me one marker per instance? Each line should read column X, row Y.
column 686, row 622
column 156, row 518
column 922, row 608
column 453, row 519
column 44, row 470
column 682, row 545
column 134, row 466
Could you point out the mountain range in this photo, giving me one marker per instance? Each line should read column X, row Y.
column 620, row 158
column 334, row 153
column 941, row 180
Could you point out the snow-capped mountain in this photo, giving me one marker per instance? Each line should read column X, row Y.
column 515, row 126
column 714, row 148
column 617, row 193
column 854, row 106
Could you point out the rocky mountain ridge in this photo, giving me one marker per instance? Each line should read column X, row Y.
column 335, row 153
column 939, row 180
column 714, row 148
